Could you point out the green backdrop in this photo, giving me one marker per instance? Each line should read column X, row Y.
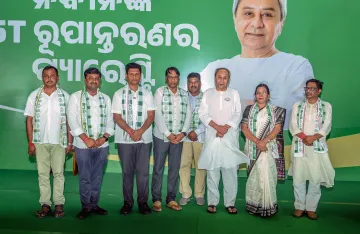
column 187, row 34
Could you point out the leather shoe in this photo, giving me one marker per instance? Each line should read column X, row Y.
column 83, row 214
column 100, row 211
column 144, row 208
column 298, row 213
column 312, row 215
column 126, row 209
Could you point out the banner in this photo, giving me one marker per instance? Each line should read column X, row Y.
column 190, row 35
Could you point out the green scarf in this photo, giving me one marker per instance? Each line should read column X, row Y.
column 195, row 121
column 320, row 144
column 36, row 120
column 253, row 115
column 86, row 115
column 166, row 108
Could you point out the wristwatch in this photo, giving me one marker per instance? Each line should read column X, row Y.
column 184, row 134
column 106, row 138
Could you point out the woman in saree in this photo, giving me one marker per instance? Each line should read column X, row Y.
column 262, row 126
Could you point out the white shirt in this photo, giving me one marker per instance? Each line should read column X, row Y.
column 49, row 115
column 117, row 108
column 284, row 73
column 161, row 131
column 200, row 131
column 223, row 107
column 74, row 117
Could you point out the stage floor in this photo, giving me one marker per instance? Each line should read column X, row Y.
column 339, row 211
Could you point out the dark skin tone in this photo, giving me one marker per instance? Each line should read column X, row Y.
column 194, row 87
column 312, row 93
column 50, row 80
column 172, row 80
column 261, row 97
column 133, row 77
column 92, row 83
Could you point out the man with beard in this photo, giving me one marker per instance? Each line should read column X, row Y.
column 91, row 124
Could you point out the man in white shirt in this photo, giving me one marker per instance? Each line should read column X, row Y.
column 220, row 112
column 49, row 139
column 172, row 121
column 133, row 108
column 258, row 24
column 310, row 124
column 192, row 146
column 91, row 124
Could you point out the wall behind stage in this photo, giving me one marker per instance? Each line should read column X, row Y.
column 74, row 35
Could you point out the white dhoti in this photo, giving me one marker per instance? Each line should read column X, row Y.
column 222, row 155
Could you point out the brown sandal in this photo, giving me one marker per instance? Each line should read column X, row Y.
column 174, row 206
column 156, row 206
column 45, row 211
column 59, row 211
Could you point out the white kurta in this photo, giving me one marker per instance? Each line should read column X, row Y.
column 315, row 167
column 223, row 108
column 284, row 73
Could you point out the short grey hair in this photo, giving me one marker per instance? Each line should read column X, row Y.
column 282, row 3
column 219, row 69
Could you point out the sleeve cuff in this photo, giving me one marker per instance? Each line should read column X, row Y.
column 198, row 132
column 76, row 132
column 28, row 114
column 109, row 131
column 116, row 112
column 207, row 121
column 233, row 125
column 322, row 133
column 151, row 108
column 167, row 133
column 296, row 132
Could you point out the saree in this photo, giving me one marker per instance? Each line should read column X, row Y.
column 266, row 168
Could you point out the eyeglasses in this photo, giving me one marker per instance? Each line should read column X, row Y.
column 172, row 77
column 312, row 89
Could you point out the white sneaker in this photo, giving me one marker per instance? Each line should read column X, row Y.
column 183, row 201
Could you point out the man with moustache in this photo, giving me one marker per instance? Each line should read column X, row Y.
column 49, row 139
column 192, row 146
column 310, row 124
column 133, row 108
column 91, row 123
column 172, row 121
column 220, row 112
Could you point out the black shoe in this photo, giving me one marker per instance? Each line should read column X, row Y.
column 100, row 211
column 83, row 214
column 144, row 208
column 126, row 209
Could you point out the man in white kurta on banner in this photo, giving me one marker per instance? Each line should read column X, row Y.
column 310, row 124
column 220, row 112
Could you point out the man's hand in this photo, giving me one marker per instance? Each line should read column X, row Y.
column 31, row 149
column 309, row 140
column 137, row 134
column 178, row 138
column 172, row 138
column 218, row 134
column 222, row 129
column 90, row 143
column 69, row 149
column 99, row 142
column 192, row 136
